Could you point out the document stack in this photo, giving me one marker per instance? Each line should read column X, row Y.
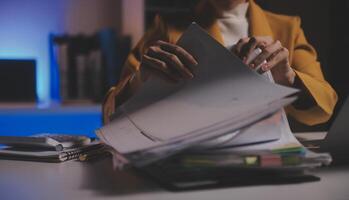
column 227, row 117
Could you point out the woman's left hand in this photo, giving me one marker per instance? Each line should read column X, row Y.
column 275, row 55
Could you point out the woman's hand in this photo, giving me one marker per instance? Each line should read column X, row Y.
column 275, row 55
column 168, row 61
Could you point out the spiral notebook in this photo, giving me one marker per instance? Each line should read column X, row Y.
column 10, row 153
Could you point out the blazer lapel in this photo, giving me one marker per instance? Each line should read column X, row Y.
column 215, row 32
column 258, row 23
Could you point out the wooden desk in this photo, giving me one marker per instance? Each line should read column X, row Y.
column 75, row 180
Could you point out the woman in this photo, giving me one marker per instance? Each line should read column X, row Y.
column 241, row 26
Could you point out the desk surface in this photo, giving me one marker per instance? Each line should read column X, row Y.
column 97, row 180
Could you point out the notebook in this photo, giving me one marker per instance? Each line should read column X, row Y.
column 35, row 154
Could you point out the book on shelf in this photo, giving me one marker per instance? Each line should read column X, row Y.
column 88, row 65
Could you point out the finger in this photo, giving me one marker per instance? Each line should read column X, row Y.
column 266, row 54
column 265, row 40
column 182, row 54
column 156, row 67
column 172, row 59
column 239, row 45
column 262, row 41
column 248, row 48
column 159, row 66
column 278, row 57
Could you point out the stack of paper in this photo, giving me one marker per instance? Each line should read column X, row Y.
column 226, row 109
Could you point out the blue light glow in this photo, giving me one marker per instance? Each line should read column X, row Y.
column 76, row 120
column 24, row 30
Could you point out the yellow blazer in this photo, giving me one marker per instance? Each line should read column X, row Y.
column 286, row 29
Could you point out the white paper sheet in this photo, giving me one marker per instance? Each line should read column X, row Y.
column 223, row 87
column 224, row 96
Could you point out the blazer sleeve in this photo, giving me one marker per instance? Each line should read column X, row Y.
column 308, row 72
column 130, row 77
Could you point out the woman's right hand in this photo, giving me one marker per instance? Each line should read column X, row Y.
column 168, row 61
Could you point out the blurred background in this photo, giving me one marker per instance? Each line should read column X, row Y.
column 58, row 58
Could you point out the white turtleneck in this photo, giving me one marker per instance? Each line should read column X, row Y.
column 234, row 24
